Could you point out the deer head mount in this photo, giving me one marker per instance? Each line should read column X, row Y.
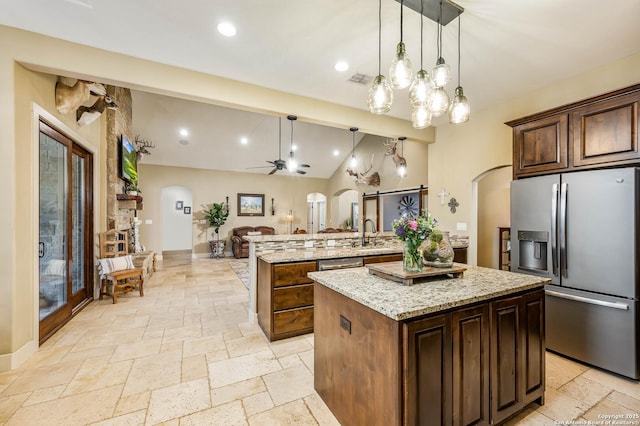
column 87, row 115
column 69, row 98
column 392, row 145
column 142, row 145
column 361, row 177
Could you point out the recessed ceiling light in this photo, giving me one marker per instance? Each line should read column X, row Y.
column 227, row 29
column 336, row 152
column 341, row 66
column 244, row 141
column 184, row 132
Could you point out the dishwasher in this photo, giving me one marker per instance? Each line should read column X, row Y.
column 342, row 263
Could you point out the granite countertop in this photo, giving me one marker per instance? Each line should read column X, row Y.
column 400, row 302
column 325, row 253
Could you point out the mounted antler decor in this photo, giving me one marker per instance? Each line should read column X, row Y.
column 392, row 150
column 373, row 179
column 142, row 145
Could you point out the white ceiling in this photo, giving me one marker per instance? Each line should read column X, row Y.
column 509, row 47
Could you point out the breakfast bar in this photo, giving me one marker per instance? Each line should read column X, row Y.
column 466, row 350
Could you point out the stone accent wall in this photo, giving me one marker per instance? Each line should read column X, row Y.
column 120, row 214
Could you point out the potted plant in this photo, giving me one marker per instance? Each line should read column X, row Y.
column 216, row 215
column 132, row 188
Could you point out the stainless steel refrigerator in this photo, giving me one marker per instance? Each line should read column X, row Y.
column 581, row 230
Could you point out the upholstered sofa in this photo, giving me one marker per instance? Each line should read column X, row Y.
column 239, row 245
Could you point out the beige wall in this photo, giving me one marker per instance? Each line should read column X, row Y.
column 463, row 152
column 208, row 186
column 33, row 87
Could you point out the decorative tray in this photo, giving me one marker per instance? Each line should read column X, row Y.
column 393, row 271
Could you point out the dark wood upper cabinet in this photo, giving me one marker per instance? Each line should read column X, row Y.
column 541, row 146
column 606, row 132
column 597, row 132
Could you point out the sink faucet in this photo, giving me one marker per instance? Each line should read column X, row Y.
column 365, row 240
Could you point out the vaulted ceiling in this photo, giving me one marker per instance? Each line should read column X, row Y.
column 508, row 48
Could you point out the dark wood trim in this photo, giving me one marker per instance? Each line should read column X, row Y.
column 574, row 105
column 49, row 325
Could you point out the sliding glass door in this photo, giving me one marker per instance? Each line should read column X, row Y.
column 65, row 229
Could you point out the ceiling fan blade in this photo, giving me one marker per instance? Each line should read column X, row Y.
column 258, row 167
column 273, row 171
column 270, row 162
column 301, row 172
column 303, row 165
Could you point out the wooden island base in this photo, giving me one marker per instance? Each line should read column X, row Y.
column 476, row 364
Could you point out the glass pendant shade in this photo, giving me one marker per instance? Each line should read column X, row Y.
column 380, row 96
column 421, row 117
column 419, row 89
column 400, row 72
column 460, row 109
column 441, row 73
column 354, row 161
column 402, row 171
column 292, row 164
column 438, row 101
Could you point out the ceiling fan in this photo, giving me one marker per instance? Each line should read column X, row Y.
column 281, row 164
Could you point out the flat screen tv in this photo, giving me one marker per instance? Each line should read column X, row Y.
column 128, row 161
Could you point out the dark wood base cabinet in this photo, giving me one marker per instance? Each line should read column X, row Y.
column 475, row 365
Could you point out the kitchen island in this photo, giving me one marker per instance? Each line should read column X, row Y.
column 467, row 350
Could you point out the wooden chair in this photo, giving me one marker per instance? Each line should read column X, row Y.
column 116, row 266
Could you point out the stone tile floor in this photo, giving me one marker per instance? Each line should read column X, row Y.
column 185, row 354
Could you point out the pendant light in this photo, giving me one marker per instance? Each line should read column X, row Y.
column 460, row 109
column 400, row 72
column 354, row 161
column 419, row 90
column 292, row 165
column 421, row 116
column 441, row 73
column 380, row 95
column 402, row 169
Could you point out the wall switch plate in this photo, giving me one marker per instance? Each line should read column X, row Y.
column 461, row 226
column 308, row 244
column 345, row 324
column 331, row 243
column 148, row 222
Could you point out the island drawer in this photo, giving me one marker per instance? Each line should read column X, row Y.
column 292, row 297
column 293, row 273
column 293, row 321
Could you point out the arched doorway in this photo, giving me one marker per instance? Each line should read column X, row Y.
column 316, row 212
column 492, row 204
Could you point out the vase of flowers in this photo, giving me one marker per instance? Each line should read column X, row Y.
column 412, row 231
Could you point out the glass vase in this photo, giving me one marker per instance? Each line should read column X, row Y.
column 437, row 250
column 411, row 259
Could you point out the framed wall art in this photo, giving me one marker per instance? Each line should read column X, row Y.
column 250, row 204
column 179, row 205
column 187, row 210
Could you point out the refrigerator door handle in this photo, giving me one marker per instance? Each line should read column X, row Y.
column 621, row 306
column 562, row 237
column 554, row 228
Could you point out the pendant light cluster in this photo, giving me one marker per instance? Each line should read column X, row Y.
column 427, row 95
